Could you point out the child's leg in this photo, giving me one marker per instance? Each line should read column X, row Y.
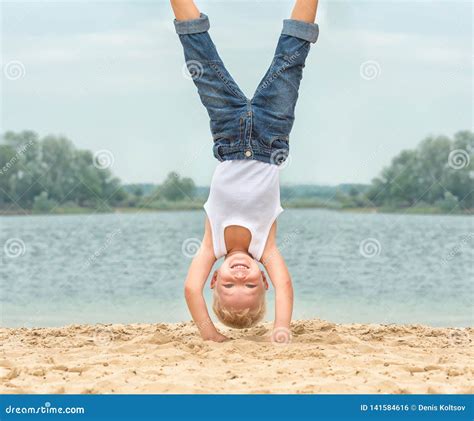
column 219, row 93
column 277, row 93
column 185, row 9
column 305, row 10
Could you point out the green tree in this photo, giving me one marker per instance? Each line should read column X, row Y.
column 175, row 188
column 439, row 172
column 7, row 156
column 41, row 172
column 459, row 181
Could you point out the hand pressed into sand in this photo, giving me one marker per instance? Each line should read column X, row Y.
column 217, row 337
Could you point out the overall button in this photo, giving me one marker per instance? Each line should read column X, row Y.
column 248, row 153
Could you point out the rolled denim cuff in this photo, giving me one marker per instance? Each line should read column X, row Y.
column 193, row 26
column 299, row 29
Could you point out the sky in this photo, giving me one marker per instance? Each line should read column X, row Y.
column 109, row 75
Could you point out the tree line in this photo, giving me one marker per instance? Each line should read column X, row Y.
column 439, row 172
column 46, row 173
column 43, row 174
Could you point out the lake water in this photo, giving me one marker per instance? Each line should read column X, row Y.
column 346, row 267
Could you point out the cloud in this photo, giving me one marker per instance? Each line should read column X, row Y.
column 419, row 47
column 126, row 60
column 150, row 37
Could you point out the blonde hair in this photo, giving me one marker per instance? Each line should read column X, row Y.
column 240, row 319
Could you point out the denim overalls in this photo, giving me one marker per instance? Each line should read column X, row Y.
column 243, row 128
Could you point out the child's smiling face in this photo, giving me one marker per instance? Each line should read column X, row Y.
column 239, row 283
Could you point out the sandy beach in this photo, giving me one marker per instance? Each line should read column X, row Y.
column 170, row 358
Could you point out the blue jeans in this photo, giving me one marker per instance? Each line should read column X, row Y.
column 244, row 128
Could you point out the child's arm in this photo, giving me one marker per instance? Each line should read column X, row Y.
column 281, row 280
column 197, row 275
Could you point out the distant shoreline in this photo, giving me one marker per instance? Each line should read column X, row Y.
column 186, row 206
column 433, row 179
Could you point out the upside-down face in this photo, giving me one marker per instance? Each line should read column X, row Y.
column 239, row 283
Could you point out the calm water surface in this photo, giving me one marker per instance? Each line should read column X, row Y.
column 346, row 267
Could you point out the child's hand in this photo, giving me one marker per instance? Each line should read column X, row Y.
column 217, row 337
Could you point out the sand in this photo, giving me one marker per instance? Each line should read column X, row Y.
column 170, row 358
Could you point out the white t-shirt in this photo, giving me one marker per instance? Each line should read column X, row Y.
column 244, row 193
